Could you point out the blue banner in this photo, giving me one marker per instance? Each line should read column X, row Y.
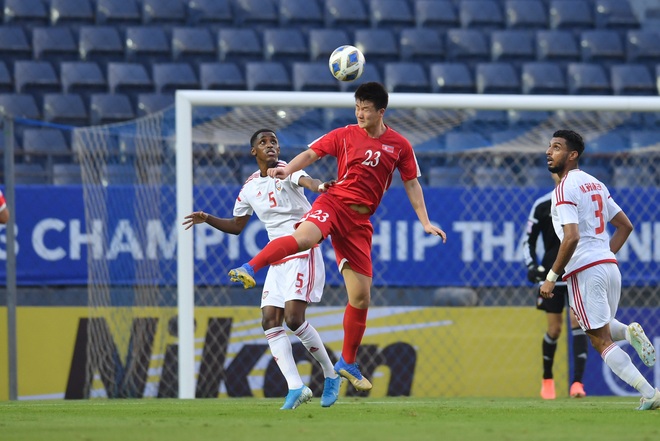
column 485, row 227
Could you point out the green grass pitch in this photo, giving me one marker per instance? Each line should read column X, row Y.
column 350, row 419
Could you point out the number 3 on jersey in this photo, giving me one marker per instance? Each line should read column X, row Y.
column 598, row 199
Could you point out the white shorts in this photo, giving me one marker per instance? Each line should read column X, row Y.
column 299, row 278
column 594, row 295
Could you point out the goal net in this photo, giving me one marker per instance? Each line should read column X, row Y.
column 165, row 322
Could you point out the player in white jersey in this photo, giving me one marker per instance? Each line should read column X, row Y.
column 581, row 208
column 291, row 283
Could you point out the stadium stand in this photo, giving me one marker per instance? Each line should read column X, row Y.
column 167, row 12
column 27, row 13
column 73, row 13
column 147, row 45
column 129, row 78
column 36, row 78
column 557, row 46
column 323, row 41
column 436, row 14
column 54, row 44
column 22, row 105
column 497, row 78
column 632, row 79
column 219, row 76
column 467, row 45
column 480, row 14
column 285, row 45
column 211, row 13
column 100, row 44
column 451, row 78
column 261, row 13
column 587, row 79
column 239, row 45
column 379, row 45
column 30, row 174
column 313, row 76
column 406, row 77
column 45, row 146
column 543, row 78
column 602, row 46
column 614, row 14
column 391, row 14
column 67, row 174
column 67, row 109
column 576, row 15
column 6, row 82
column 267, row 75
column 514, row 46
column 120, row 12
column 82, row 77
column 421, row 45
column 108, row 108
column 14, row 44
column 525, row 14
column 346, row 15
column 153, row 102
column 169, row 77
column 193, row 45
column 303, row 14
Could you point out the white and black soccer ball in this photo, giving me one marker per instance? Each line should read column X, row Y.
column 346, row 63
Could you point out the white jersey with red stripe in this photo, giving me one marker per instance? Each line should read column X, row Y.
column 583, row 200
column 278, row 203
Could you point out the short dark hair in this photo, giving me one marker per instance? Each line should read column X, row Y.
column 573, row 139
column 373, row 92
column 253, row 138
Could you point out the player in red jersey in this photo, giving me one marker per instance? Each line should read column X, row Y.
column 368, row 153
column 4, row 211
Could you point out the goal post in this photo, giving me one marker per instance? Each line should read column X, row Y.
column 188, row 100
column 164, row 321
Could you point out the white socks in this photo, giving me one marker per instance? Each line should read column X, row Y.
column 311, row 339
column 619, row 361
column 619, row 331
column 280, row 348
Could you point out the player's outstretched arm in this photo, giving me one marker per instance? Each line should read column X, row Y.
column 301, row 161
column 315, row 185
column 234, row 225
column 416, row 198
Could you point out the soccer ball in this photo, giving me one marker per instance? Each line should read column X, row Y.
column 346, row 63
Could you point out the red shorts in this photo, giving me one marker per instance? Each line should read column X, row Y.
column 350, row 232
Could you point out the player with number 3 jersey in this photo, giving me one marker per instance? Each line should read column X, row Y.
column 368, row 154
column 581, row 208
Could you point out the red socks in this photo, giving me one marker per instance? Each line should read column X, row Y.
column 355, row 323
column 276, row 249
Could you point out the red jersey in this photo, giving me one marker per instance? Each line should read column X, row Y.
column 365, row 165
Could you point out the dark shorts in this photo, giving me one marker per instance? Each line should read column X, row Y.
column 554, row 304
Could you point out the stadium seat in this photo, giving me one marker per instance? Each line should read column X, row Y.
column 480, row 14
column 168, row 77
column 101, row 44
column 587, row 79
column 301, row 14
column 215, row 175
column 638, row 175
column 67, row 174
column 447, row 177
column 118, row 174
column 390, row 14
column 285, row 45
column 163, row 12
column 370, row 73
column 313, row 76
column 608, row 142
column 221, row 76
column 255, row 13
column 6, row 83
column 486, row 176
column 526, row 119
column 129, row 78
column 239, row 45
column 119, row 12
column 82, row 77
column 642, row 47
column 378, row 45
column 14, row 44
column 19, row 105
column 512, row 46
column 193, row 45
column 107, row 108
column 436, row 14
column 147, row 45
column 28, row 13
column 148, row 103
column 573, row 15
column 451, row 78
column 525, row 14
column 67, row 109
column 497, row 78
column 614, row 14
column 211, row 12
column 45, row 146
column 461, row 141
column 323, row 41
column 346, row 15
column 557, row 46
column 71, row 12
column 30, row 174
column 406, row 76
column 642, row 139
column 543, row 78
column 421, row 45
column 508, row 137
column 54, row 44
column 602, row 46
column 632, row 79
column 467, row 45
column 338, row 117
column 267, row 75
column 36, row 77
